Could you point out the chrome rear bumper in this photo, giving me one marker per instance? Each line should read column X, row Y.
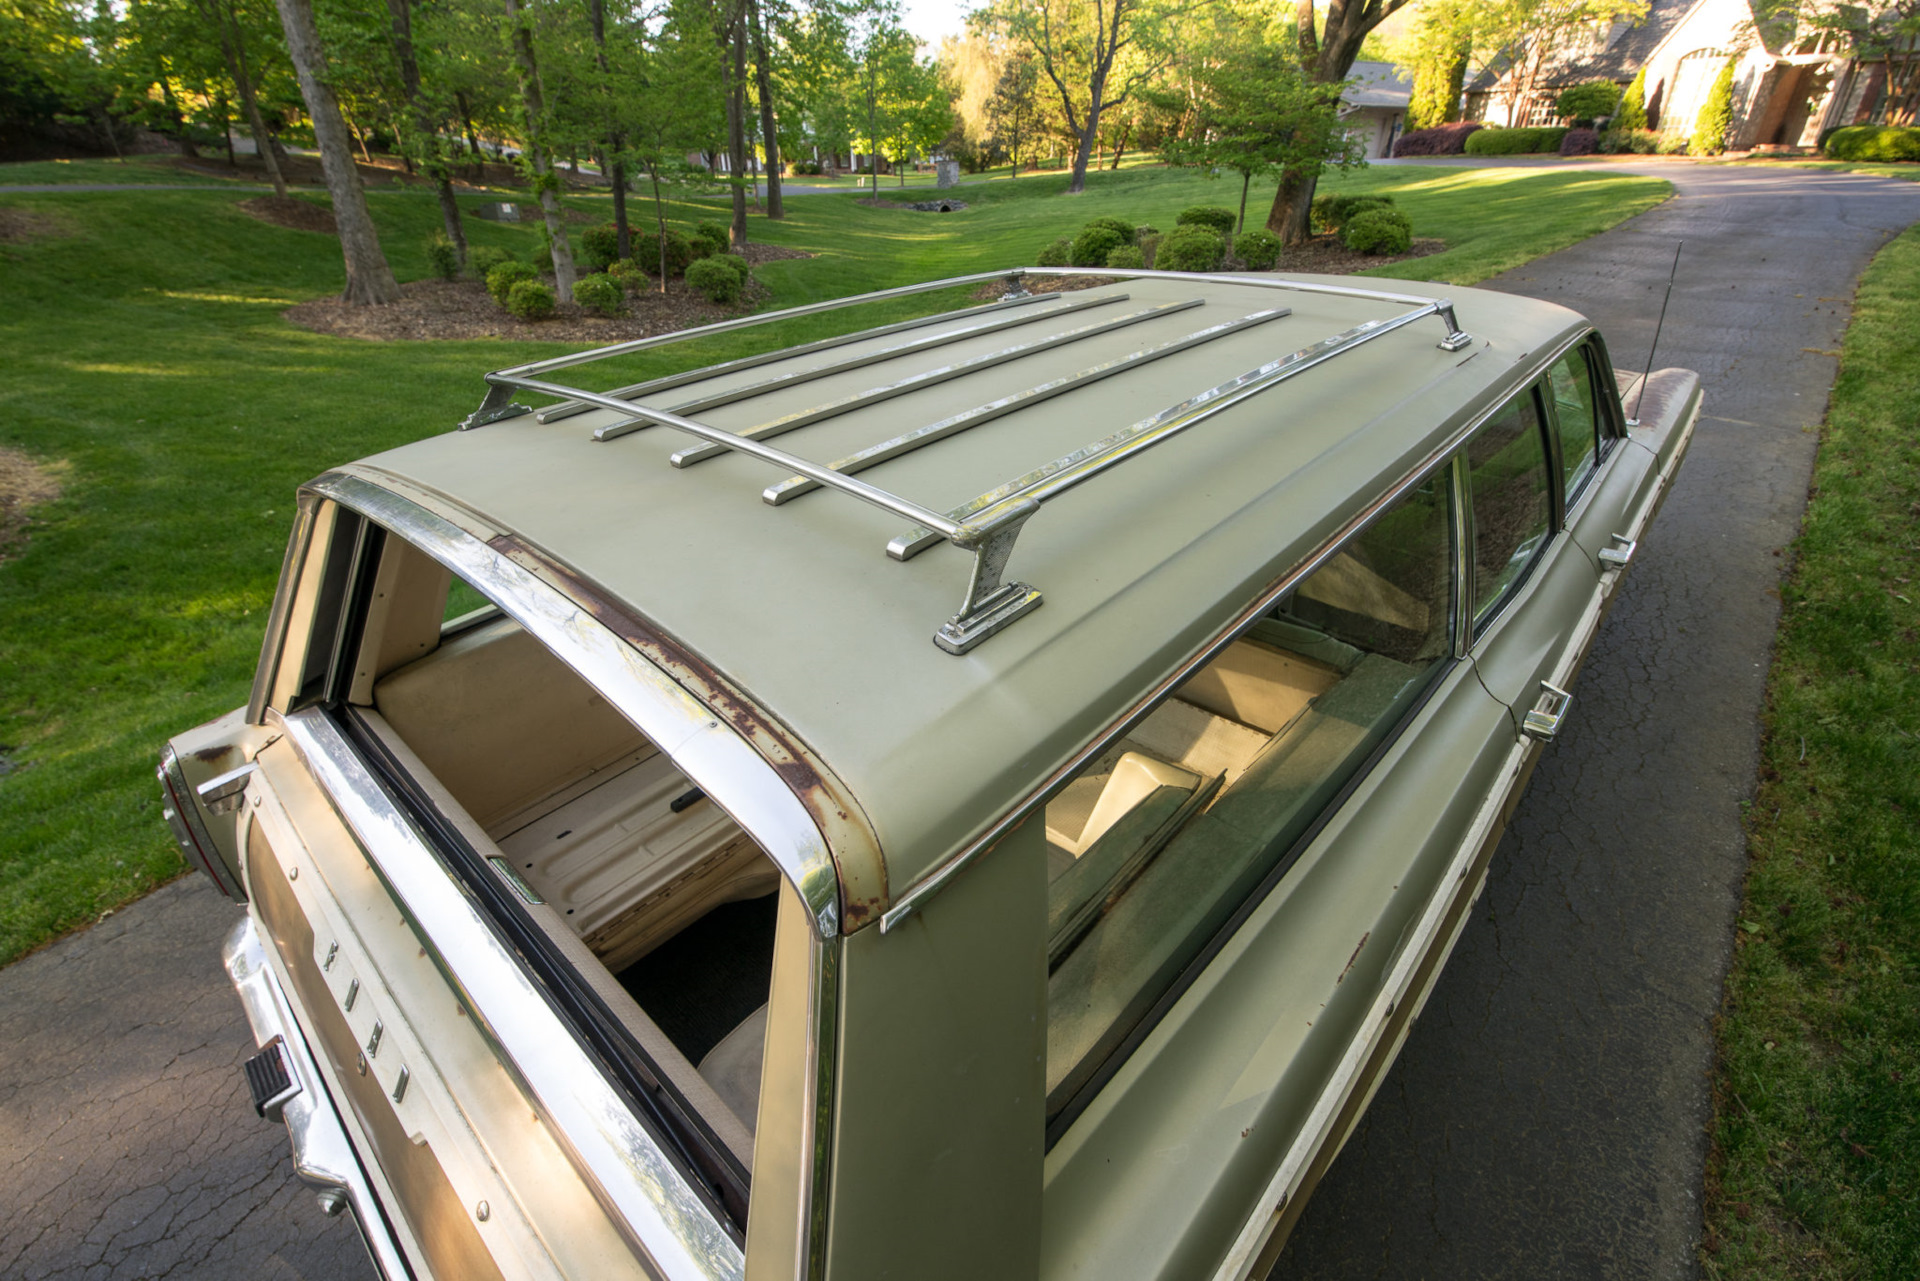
column 324, row 1154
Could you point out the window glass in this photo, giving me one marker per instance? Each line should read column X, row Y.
column 1573, row 414
column 1156, row 844
column 464, row 605
column 1512, row 505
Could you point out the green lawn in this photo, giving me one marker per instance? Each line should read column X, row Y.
column 147, row 354
column 137, row 169
column 1816, row 1164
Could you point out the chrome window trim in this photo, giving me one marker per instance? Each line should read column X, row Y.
column 273, row 644
column 713, row 757
column 636, row 1179
column 931, row 882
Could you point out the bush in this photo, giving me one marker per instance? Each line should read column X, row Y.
column 1320, row 213
column 627, row 273
column 715, row 281
column 442, row 256
column 1378, row 231
column 1148, row 244
column 1716, row 118
column 530, row 300
column 716, row 234
column 1218, row 217
column 1873, row 142
column 1119, row 226
column 502, row 279
column 1579, row 142
column 1127, row 256
column 1142, row 232
column 601, row 292
column 1641, row 142
column 1342, row 209
column 1258, row 249
column 734, row 263
column 646, row 252
column 1514, row 142
column 1191, row 247
column 1670, row 144
column 805, row 167
column 482, row 259
column 1055, row 254
column 1091, row 247
column 599, row 246
column 1631, row 114
column 1441, row 140
column 1585, row 103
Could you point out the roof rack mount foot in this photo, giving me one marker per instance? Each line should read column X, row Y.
column 498, row 405
column 1456, row 338
column 968, row 628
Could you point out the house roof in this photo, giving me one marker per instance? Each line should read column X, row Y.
column 1377, row 84
column 800, row 606
column 1625, row 53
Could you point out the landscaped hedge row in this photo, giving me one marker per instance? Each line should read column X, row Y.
column 1441, row 140
column 1873, row 142
column 1515, row 142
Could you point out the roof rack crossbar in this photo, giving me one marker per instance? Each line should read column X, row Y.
column 993, row 323
column 1063, row 473
column 921, row 437
column 932, row 378
column 567, row 409
column 612, row 431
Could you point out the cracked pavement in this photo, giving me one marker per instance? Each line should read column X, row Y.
column 1547, row 1116
column 128, row 1144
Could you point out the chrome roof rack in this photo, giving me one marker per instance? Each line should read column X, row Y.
column 987, row 525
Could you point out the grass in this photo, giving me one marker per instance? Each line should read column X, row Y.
column 147, row 353
column 1908, row 171
column 136, row 170
column 1815, row 1171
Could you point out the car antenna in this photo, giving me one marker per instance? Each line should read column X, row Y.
column 1640, row 393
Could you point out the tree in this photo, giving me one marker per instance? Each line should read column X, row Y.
column 545, row 181
column 1257, row 113
column 1015, row 106
column 1631, row 114
column 369, row 280
column 223, row 18
column 426, row 144
column 1095, row 54
column 1326, row 51
column 677, row 95
column 1442, row 48
column 1537, row 34
column 769, row 123
column 1716, row 117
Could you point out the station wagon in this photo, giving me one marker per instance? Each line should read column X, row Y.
column 978, row 795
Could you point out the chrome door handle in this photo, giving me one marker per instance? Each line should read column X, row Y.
column 1618, row 554
column 1543, row 722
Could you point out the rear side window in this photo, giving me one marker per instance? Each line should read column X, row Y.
column 1156, row 845
column 1512, row 502
column 1575, row 418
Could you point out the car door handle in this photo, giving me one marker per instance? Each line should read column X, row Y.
column 1543, row 721
column 1617, row 554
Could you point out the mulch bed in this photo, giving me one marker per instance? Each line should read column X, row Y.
column 462, row 309
column 24, row 485
column 1326, row 256
column 291, row 212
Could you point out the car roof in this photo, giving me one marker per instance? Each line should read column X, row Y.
column 800, row 607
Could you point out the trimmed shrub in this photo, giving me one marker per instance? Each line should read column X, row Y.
column 1640, row 142
column 602, row 293
column 627, row 273
column 800, row 168
column 502, row 279
column 646, row 252
column 734, row 263
column 599, row 246
column 1378, row 231
column 1671, row 144
column 716, row 234
column 1127, row 256
column 1091, row 247
column 1874, row 142
column 715, row 281
column 1716, row 118
column 1055, row 254
column 1579, row 142
column 1258, row 249
column 1191, row 247
column 482, row 259
column 1585, row 103
column 1149, row 245
column 1320, row 213
column 1342, row 208
column 1217, row 217
column 1631, row 114
column 1441, row 140
column 530, row 300
column 1120, row 226
column 442, row 256
column 1514, row 142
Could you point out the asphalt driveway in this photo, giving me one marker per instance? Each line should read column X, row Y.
column 1546, row 1117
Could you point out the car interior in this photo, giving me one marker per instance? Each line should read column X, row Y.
column 666, row 906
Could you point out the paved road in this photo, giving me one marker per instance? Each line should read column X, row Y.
column 1546, row 1118
column 1547, row 1115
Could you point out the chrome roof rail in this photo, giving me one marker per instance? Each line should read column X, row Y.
column 988, row 525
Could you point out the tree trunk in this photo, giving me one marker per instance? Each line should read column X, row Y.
column 733, row 46
column 1126, row 132
column 1246, row 180
column 769, row 128
column 611, row 166
column 400, row 16
column 233, row 50
column 623, row 235
column 660, row 219
column 369, row 279
column 545, row 181
column 1082, row 153
column 1292, row 204
column 473, row 138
